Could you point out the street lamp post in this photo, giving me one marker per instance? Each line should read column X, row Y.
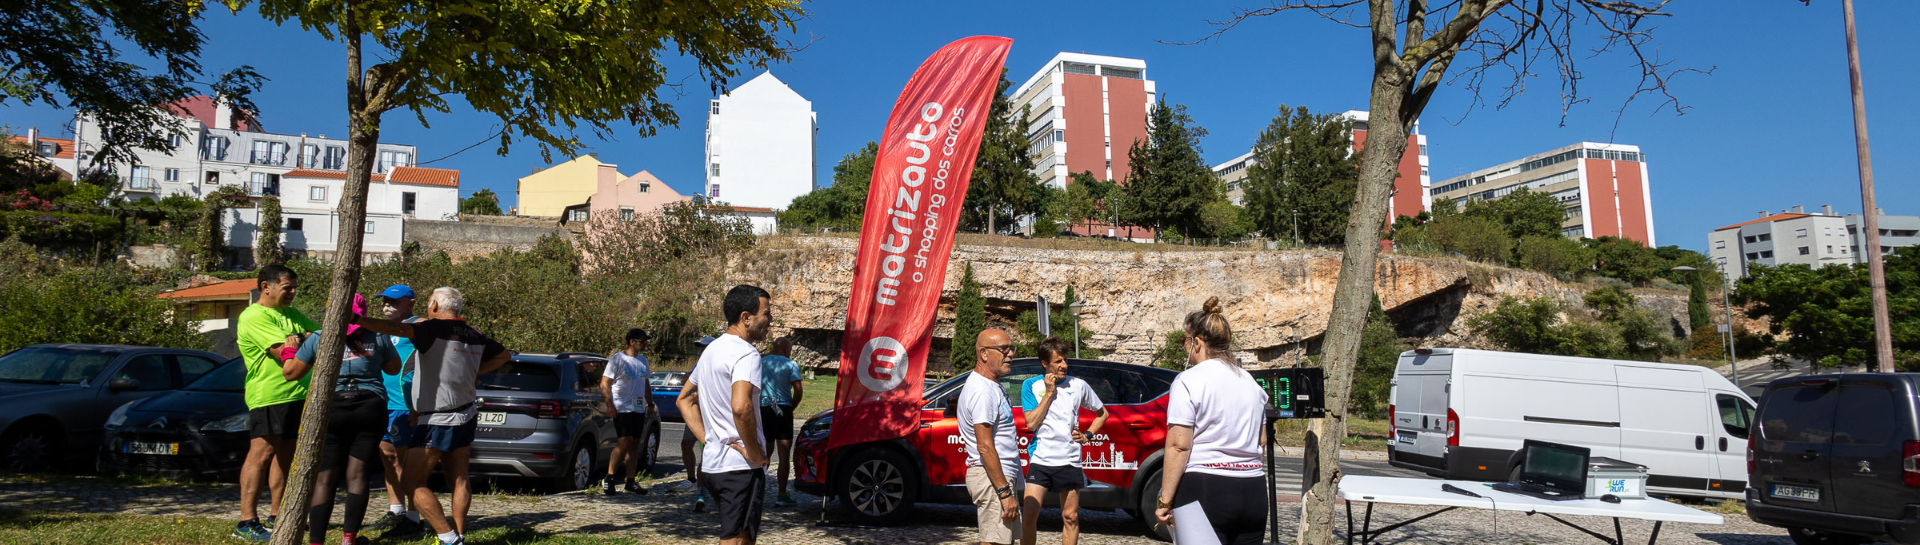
column 1074, row 310
column 1733, row 362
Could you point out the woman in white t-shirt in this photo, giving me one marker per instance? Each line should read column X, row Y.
column 1213, row 461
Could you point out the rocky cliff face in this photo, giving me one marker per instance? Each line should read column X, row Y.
column 1278, row 302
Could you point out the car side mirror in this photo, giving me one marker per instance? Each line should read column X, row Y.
column 122, row 385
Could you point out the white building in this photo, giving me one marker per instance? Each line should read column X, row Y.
column 1794, row 236
column 223, row 147
column 760, row 145
column 1076, row 101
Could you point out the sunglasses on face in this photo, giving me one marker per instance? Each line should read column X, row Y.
column 1006, row 349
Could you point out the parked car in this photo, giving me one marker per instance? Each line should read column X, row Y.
column 55, row 398
column 664, row 386
column 1837, row 459
column 879, row 482
column 542, row 416
column 1463, row 414
column 197, row 431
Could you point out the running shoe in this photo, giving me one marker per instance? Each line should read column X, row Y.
column 609, row 486
column 784, row 501
column 355, row 540
column 635, row 488
column 405, row 529
column 700, row 503
column 386, row 521
column 251, row 530
column 269, row 522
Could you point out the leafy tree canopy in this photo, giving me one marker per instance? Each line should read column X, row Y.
column 481, row 203
column 839, row 206
column 1304, row 176
column 1003, row 186
column 1167, row 183
column 1825, row 315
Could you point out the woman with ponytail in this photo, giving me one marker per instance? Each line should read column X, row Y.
column 1213, row 463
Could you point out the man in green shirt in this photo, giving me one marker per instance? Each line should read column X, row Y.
column 268, row 333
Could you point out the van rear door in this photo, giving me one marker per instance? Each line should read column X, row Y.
column 1420, row 409
column 1871, row 422
column 1791, row 467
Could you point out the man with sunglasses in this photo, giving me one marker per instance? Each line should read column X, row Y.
column 987, row 430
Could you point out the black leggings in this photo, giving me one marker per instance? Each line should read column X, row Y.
column 354, row 427
column 1214, row 509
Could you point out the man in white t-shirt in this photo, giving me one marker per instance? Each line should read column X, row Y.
column 1052, row 403
column 721, row 402
column 987, row 430
column 629, row 401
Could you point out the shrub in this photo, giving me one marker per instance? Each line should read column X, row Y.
column 63, row 231
column 107, row 303
column 1560, row 256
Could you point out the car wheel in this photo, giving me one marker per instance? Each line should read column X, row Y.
column 1150, row 502
column 876, row 488
column 578, row 473
column 1809, row 536
column 29, row 449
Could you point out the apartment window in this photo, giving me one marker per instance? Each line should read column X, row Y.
column 1751, row 240
column 1752, row 256
column 173, row 141
column 644, row 186
column 1719, row 244
column 1766, row 254
column 1723, row 261
column 369, row 225
column 626, row 213
column 714, row 191
column 213, row 148
column 213, row 178
column 1906, row 233
column 140, row 180
column 1829, row 248
column 173, row 175
column 1766, row 237
column 317, row 193
column 295, row 224
column 407, row 202
column 1851, row 230
column 714, row 106
column 309, row 156
column 578, row 215
column 1423, row 149
column 336, row 158
column 264, row 184
column 1800, row 233
column 1805, row 250
column 390, row 159
column 1827, row 232
column 716, row 169
column 268, row 153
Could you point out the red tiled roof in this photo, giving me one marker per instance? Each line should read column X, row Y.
column 231, row 290
column 425, row 176
column 63, row 151
column 200, row 108
column 1775, row 217
column 751, row 209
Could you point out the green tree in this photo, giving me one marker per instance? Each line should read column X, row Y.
column 1167, row 183
column 1824, row 316
column 969, row 319
column 1380, row 350
column 1560, row 256
column 66, row 54
column 840, row 206
column 1626, row 260
column 1223, row 220
column 542, row 71
column 1477, row 237
column 49, row 301
column 210, row 247
column 1699, row 312
column 1611, row 301
column 1303, row 175
column 481, row 203
column 1171, row 354
column 1080, row 201
column 1524, row 213
column 1003, row 182
column 267, row 248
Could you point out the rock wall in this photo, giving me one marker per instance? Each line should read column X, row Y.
column 1278, row 301
column 461, row 239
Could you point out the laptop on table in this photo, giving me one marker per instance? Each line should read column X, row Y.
column 1550, row 471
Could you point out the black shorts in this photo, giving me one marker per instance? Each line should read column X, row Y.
column 630, row 425
column 1056, row 478
column 445, row 438
column 1215, row 508
column 282, row 420
column 777, row 427
column 354, row 427
column 737, row 496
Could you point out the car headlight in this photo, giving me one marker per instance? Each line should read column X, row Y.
column 232, row 424
column 119, row 415
column 817, row 426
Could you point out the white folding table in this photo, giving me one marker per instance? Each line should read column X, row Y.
column 1405, row 491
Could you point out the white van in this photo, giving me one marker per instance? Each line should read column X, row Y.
column 1462, row 414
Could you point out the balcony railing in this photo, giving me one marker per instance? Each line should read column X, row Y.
column 139, row 183
column 268, row 158
column 259, row 189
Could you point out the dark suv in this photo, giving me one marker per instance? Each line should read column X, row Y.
column 542, row 416
column 1837, row 459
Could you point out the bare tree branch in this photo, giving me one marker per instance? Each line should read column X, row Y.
column 1331, row 11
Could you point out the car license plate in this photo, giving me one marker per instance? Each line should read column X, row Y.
column 165, row 449
column 1409, row 437
column 1802, row 493
column 493, row 419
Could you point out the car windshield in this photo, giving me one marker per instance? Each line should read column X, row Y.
column 230, row 377
column 668, row 380
column 523, row 376
column 48, row 365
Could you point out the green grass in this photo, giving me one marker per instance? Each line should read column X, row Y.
column 1362, row 434
column 50, row 528
column 819, row 395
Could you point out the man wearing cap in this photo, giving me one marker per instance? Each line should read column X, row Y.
column 396, row 303
column 624, row 386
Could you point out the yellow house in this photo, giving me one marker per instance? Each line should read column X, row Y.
column 548, row 192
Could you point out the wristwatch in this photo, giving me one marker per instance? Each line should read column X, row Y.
column 1004, row 491
column 1163, row 504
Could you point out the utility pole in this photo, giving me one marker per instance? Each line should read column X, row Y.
column 1869, row 213
column 1296, row 227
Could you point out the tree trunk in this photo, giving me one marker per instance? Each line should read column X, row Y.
column 1353, row 295
column 363, row 135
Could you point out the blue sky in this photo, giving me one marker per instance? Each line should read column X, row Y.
column 1769, row 129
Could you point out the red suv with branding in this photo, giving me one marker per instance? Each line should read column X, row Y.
column 878, row 482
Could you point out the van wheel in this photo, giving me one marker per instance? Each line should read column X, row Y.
column 1514, row 476
column 1150, row 502
column 1809, row 536
column 876, row 488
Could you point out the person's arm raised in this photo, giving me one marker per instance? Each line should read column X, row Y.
column 385, row 326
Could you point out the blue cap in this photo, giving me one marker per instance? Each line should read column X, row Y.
column 397, row 291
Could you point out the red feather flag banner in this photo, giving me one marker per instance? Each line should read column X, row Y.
column 913, row 205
